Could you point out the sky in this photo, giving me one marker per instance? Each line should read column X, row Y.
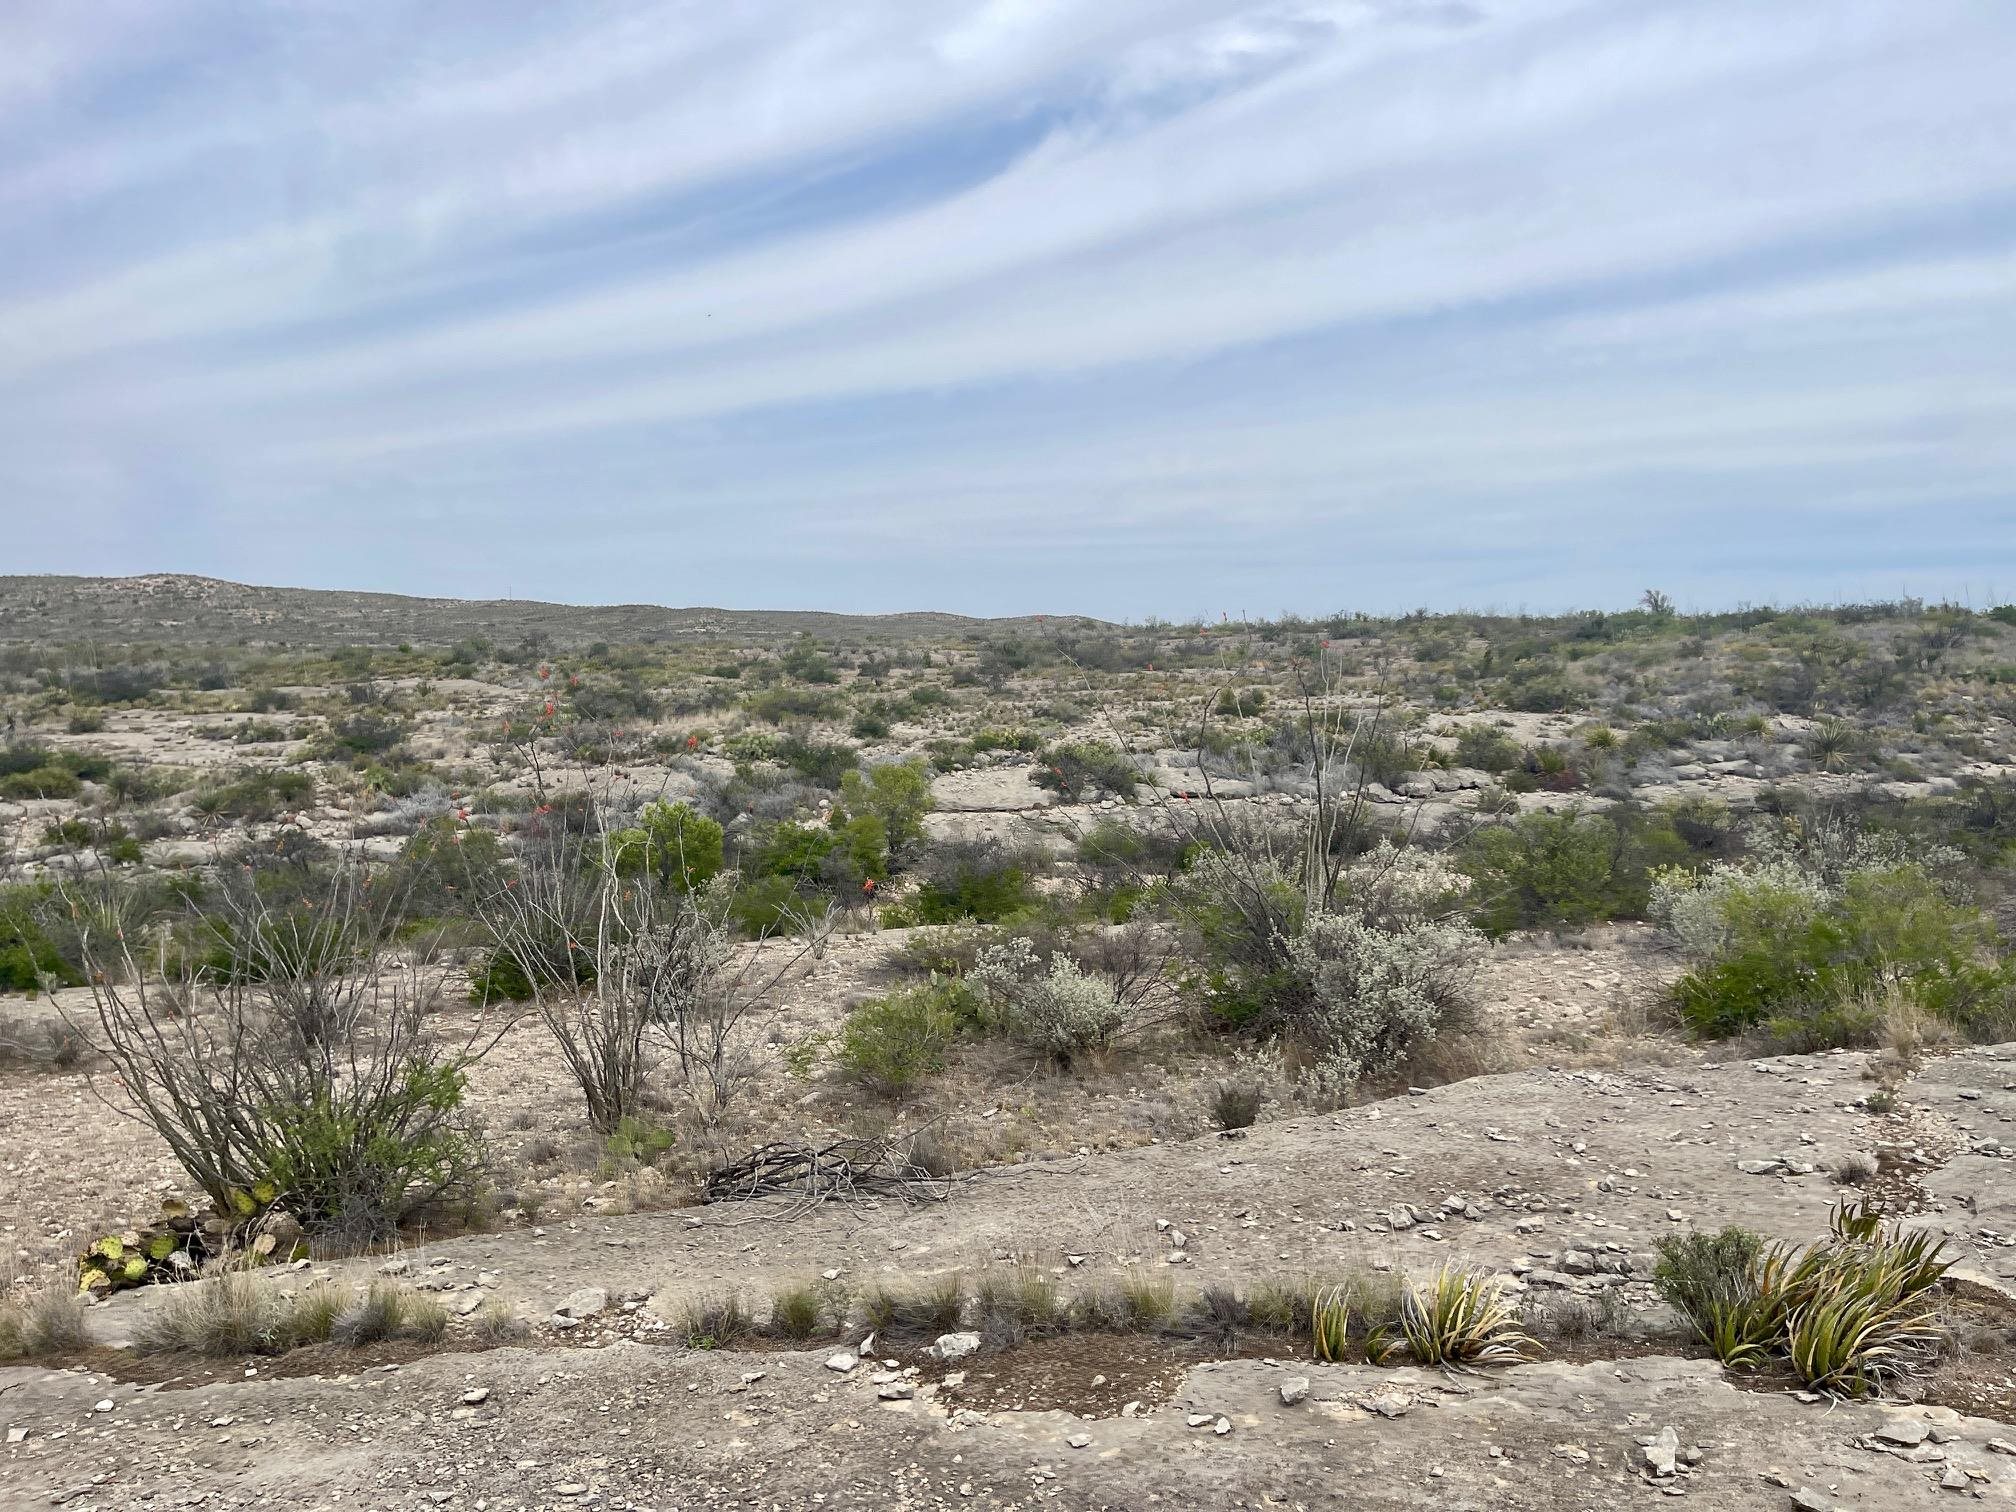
column 1112, row 307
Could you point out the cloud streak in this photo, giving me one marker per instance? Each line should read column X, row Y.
column 892, row 305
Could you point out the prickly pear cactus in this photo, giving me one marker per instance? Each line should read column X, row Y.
column 175, row 1245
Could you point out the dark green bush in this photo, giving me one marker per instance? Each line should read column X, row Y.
column 673, row 842
column 1078, row 768
column 40, row 782
column 970, row 882
column 1567, row 869
column 1487, row 749
column 27, row 954
column 819, row 763
column 894, row 1042
column 1819, row 973
column 1696, row 1272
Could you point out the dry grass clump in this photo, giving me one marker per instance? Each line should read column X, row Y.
column 385, row 1311
column 1011, row 1306
column 493, row 1326
column 798, row 1313
column 235, row 1314
column 932, row 1307
column 1855, row 1168
column 41, row 1324
column 716, row 1323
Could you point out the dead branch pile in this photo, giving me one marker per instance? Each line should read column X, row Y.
column 847, row 1170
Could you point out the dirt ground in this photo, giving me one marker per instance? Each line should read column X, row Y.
column 1602, row 1161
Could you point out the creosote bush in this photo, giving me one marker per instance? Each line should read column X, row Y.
column 892, row 1043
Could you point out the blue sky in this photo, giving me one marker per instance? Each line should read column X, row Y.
column 1119, row 308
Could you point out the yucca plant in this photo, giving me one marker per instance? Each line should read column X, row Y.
column 1330, row 1324
column 1853, row 1341
column 1739, row 1331
column 1459, row 1317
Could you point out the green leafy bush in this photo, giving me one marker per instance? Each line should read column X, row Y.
column 1798, row 959
column 894, row 1042
column 27, row 954
column 1567, row 869
column 672, row 841
column 1078, row 768
column 40, row 782
column 1487, row 748
column 1851, row 1314
column 896, row 792
column 971, row 882
column 361, row 1165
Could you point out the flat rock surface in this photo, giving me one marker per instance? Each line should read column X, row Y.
column 635, row 1426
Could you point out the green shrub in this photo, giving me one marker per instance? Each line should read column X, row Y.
column 672, row 841
column 1849, row 1315
column 40, row 782
column 1696, row 1271
column 337, row 1165
column 898, row 793
column 1566, row 869
column 765, row 906
column 27, row 954
column 1801, row 961
column 1077, row 769
column 797, row 1313
column 819, row 763
column 971, row 882
column 894, row 1042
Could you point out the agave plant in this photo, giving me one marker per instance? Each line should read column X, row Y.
column 1458, row 1317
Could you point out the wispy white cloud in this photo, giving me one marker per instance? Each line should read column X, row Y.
column 1010, row 270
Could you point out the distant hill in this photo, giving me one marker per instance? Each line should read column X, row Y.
column 179, row 609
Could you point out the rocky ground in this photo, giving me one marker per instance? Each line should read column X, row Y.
column 1543, row 999
column 1561, row 1179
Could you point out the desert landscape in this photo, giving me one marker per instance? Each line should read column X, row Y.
column 511, row 1055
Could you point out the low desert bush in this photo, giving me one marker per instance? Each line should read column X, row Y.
column 967, row 882
column 1128, row 1303
column 1850, row 1314
column 1062, row 1013
column 1812, row 964
column 892, row 1043
column 385, row 1311
column 1237, row 1105
column 1567, row 869
column 1078, row 769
